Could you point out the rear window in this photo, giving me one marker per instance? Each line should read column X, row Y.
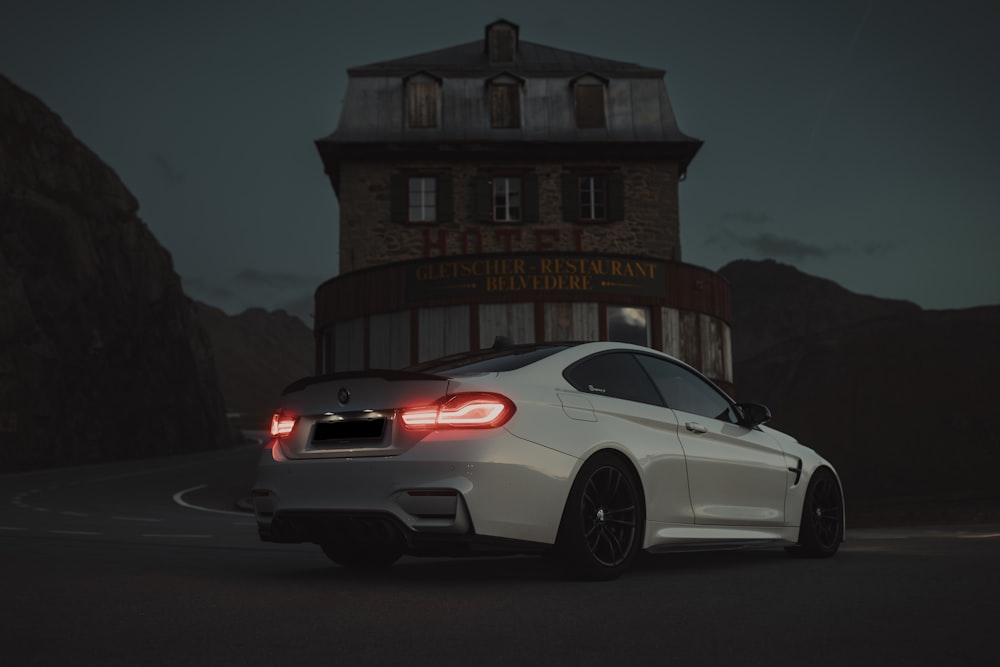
column 615, row 374
column 488, row 361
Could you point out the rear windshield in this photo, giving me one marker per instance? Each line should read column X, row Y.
column 489, row 361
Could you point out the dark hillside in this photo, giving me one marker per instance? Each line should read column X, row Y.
column 257, row 354
column 902, row 400
column 774, row 303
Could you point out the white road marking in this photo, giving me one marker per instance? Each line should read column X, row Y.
column 11, row 528
column 177, row 535
column 179, row 499
column 137, row 518
column 75, row 532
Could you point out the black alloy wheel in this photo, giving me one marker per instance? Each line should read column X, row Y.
column 822, row 527
column 602, row 526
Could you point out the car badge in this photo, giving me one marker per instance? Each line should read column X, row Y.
column 344, row 395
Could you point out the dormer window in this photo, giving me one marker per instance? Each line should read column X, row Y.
column 588, row 97
column 422, row 94
column 501, row 42
column 505, row 101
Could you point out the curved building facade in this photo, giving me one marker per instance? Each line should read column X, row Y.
column 502, row 187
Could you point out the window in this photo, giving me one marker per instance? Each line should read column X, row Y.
column 422, row 102
column 687, row 392
column 508, row 196
column 505, row 105
column 422, row 199
column 506, row 199
column 593, row 198
column 617, row 375
column 589, row 105
column 502, row 37
column 628, row 325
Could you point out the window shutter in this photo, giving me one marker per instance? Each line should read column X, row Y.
column 571, row 197
column 505, row 105
column 445, row 200
column 484, row 198
column 399, row 198
column 589, row 106
column 529, row 198
column 616, row 196
column 422, row 102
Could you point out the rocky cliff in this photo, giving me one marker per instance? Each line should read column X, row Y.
column 101, row 353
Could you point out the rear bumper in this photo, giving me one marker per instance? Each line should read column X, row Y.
column 323, row 527
column 448, row 494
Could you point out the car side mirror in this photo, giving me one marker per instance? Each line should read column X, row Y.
column 753, row 414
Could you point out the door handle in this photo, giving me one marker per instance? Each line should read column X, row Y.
column 695, row 427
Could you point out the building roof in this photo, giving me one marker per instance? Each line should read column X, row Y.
column 639, row 120
column 472, row 60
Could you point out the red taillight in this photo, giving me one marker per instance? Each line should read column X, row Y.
column 471, row 410
column 281, row 425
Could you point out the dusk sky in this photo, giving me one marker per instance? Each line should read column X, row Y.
column 857, row 140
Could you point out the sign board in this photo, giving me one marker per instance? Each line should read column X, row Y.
column 529, row 274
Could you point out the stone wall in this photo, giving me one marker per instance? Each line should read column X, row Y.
column 368, row 236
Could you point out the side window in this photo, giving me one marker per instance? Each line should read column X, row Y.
column 617, row 374
column 685, row 391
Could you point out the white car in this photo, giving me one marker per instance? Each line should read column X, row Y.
column 591, row 450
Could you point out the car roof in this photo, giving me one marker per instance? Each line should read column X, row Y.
column 562, row 355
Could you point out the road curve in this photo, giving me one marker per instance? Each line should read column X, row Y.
column 149, row 562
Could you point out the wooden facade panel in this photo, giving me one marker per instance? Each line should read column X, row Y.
column 538, row 109
column 349, row 345
column 571, row 321
column 727, row 353
column 690, row 341
column 713, row 363
column 620, row 121
column 442, row 331
column 646, row 117
column 389, row 340
column 465, row 109
column 514, row 320
column 558, row 115
column 671, row 331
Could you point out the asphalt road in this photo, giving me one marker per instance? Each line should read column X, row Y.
column 150, row 563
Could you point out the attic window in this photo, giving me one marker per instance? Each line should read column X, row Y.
column 505, row 104
column 502, row 47
column 422, row 94
column 590, row 105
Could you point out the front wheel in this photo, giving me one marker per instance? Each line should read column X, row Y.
column 822, row 528
column 602, row 525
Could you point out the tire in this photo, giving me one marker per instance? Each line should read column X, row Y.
column 602, row 526
column 822, row 527
column 362, row 556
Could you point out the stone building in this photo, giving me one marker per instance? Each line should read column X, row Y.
column 502, row 187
